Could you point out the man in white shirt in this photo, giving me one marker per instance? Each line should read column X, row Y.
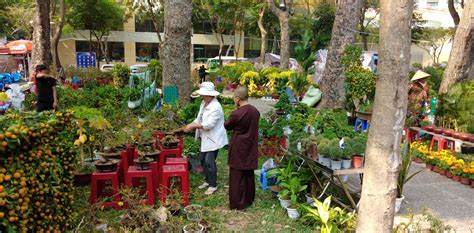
column 209, row 126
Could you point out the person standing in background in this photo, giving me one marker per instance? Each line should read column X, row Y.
column 46, row 89
column 243, row 151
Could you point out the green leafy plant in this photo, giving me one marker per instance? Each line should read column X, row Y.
column 121, row 73
column 283, row 102
column 191, row 147
column 327, row 219
column 299, row 83
column 155, row 68
column 292, row 188
column 403, row 176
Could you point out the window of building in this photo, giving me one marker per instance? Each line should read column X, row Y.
column 114, row 50
column 146, row 51
column 432, row 3
column 145, row 25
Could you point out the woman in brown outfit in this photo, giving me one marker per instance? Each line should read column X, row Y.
column 243, row 151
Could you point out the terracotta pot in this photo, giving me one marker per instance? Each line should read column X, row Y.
column 448, row 132
column 282, row 142
column 472, row 183
column 428, row 128
column 437, row 130
column 418, row 160
column 436, row 169
column 449, row 174
column 442, row 172
column 429, row 166
column 456, row 135
column 471, row 138
column 465, row 181
column 357, row 161
column 464, row 136
column 456, row 178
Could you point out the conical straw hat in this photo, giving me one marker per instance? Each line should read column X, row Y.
column 419, row 75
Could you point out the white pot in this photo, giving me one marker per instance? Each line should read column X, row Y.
column 293, row 213
column 344, row 178
column 346, row 163
column 284, row 203
column 189, row 231
column 134, row 104
column 309, row 199
column 398, row 203
column 336, row 164
column 324, row 161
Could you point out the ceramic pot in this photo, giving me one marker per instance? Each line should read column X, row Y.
column 325, row 161
column 284, row 203
column 437, row 130
column 293, row 213
column 428, row 128
column 357, row 161
column 464, row 137
column 398, row 203
column 456, row 135
column 436, row 169
column 346, row 163
column 449, row 132
column 472, row 183
column 456, row 178
column 465, row 181
column 189, row 228
column 467, row 149
column 442, row 171
column 418, row 160
column 336, row 164
column 449, row 174
column 429, row 166
column 309, row 198
column 471, row 138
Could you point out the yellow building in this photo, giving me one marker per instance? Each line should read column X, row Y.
column 138, row 43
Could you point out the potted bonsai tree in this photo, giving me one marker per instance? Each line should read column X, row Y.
column 323, row 155
column 347, row 154
column 282, row 104
column 358, row 149
column 170, row 142
column 335, row 153
column 106, row 164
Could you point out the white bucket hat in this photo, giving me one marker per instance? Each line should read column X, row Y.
column 207, row 88
column 419, row 75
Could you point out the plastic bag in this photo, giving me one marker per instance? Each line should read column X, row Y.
column 16, row 95
column 266, row 181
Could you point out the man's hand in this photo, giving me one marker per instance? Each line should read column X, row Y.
column 189, row 127
column 55, row 105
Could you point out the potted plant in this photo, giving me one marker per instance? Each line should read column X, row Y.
column 106, row 164
column 283, row 174
column 174, row 202
column 282, row 104
column 193, row 228
column 323, row 156
column 292, row 189
column 403, row 176
column 329, row 219
column 170, row 141
column 82, row 176
column 191, row 151
column 335, row 153
column 347, row 154
column 358, row 149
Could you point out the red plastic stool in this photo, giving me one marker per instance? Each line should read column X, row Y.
column 131, row 173
column 412, row 135
column 174, row 171
column 96, row 188
column 177, row 161
column 442, row 142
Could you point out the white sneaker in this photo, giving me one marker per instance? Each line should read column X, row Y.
column 204, row 185
column 210, row 190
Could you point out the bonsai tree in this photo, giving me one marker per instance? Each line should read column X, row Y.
column 347, row 152
column 283, row 102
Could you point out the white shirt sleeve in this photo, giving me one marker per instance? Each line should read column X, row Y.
column 211, row 121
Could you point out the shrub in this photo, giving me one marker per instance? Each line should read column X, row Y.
column 121, row 73
column 156, row 69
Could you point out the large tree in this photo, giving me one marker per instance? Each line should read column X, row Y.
column 382, row 157
column 41, row 34
column 454, row 13
column 343, row 33
column 56, row 33
column 462, row 53
column 177, row 45
column 283, row 15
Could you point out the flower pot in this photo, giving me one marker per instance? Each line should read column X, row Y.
column 282, row 142
column 418, row 160
column 441, row 171
column 436, row 169
column 456, row 135
column 193, row 228
column 293, row 213
column 471, row 138
column 357, row 161
column 464, row 136
column 82, row 179
column 309, row 198
column 456, row 178
column 134, row 103
column 153, row 155
column 143, row 164
column 193, row 213
column 448, row 132
column 336, row 164
column 280, row 112
column 472, row 183
column 437, row 130
column 108, row 166
column 344, row 178
column 284, row 203
column 429, row 166
column 346, row 163
column 465, row 181
column 398, row 203
column 111, row 154
column 428, row 128
column 324, row 161
column 173, row 145
column 449, row 174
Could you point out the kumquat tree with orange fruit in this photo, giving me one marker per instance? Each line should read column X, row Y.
column 37, row 162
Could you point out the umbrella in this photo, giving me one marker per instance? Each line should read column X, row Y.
column 20, row 46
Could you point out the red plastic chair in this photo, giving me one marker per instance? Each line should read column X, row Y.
column 131, row 173
column 98, row 185
column 174, row 171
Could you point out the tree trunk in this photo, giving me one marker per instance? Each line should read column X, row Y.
column 462, row 52
column 382, row 158
column 274, row 44
column 177, row 47
column 57, row 35
column 283, row 18
column 453, row 12
column 41, row 34
column 343, row 33
column 263, row 34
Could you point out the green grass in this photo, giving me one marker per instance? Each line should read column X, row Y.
column 264, row 215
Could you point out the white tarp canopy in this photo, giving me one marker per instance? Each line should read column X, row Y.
column 273, row 60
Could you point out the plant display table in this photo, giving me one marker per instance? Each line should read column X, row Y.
column 334, row 178
column 414, row 132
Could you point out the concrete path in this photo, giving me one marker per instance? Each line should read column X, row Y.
column 447, row 200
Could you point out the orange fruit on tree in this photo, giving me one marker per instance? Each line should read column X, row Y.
column 1, row 188
column 7, row 178
column 4, row 144
column 2, row 215
column 16, row 175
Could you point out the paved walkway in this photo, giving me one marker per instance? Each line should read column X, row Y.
column 450, row 201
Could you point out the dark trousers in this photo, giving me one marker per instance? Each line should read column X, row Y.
column 202, row 78
column 208, row 161
column 43, row 107
column 241, row 188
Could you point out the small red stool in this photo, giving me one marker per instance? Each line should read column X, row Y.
column 177, row 161
column 99, row 178
column 131, row 173
column 174, row 171
column 442, row 142
column 412, row 135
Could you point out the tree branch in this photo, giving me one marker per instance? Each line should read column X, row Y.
column 452, row 11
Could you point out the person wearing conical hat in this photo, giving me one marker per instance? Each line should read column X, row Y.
column 418, row 97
